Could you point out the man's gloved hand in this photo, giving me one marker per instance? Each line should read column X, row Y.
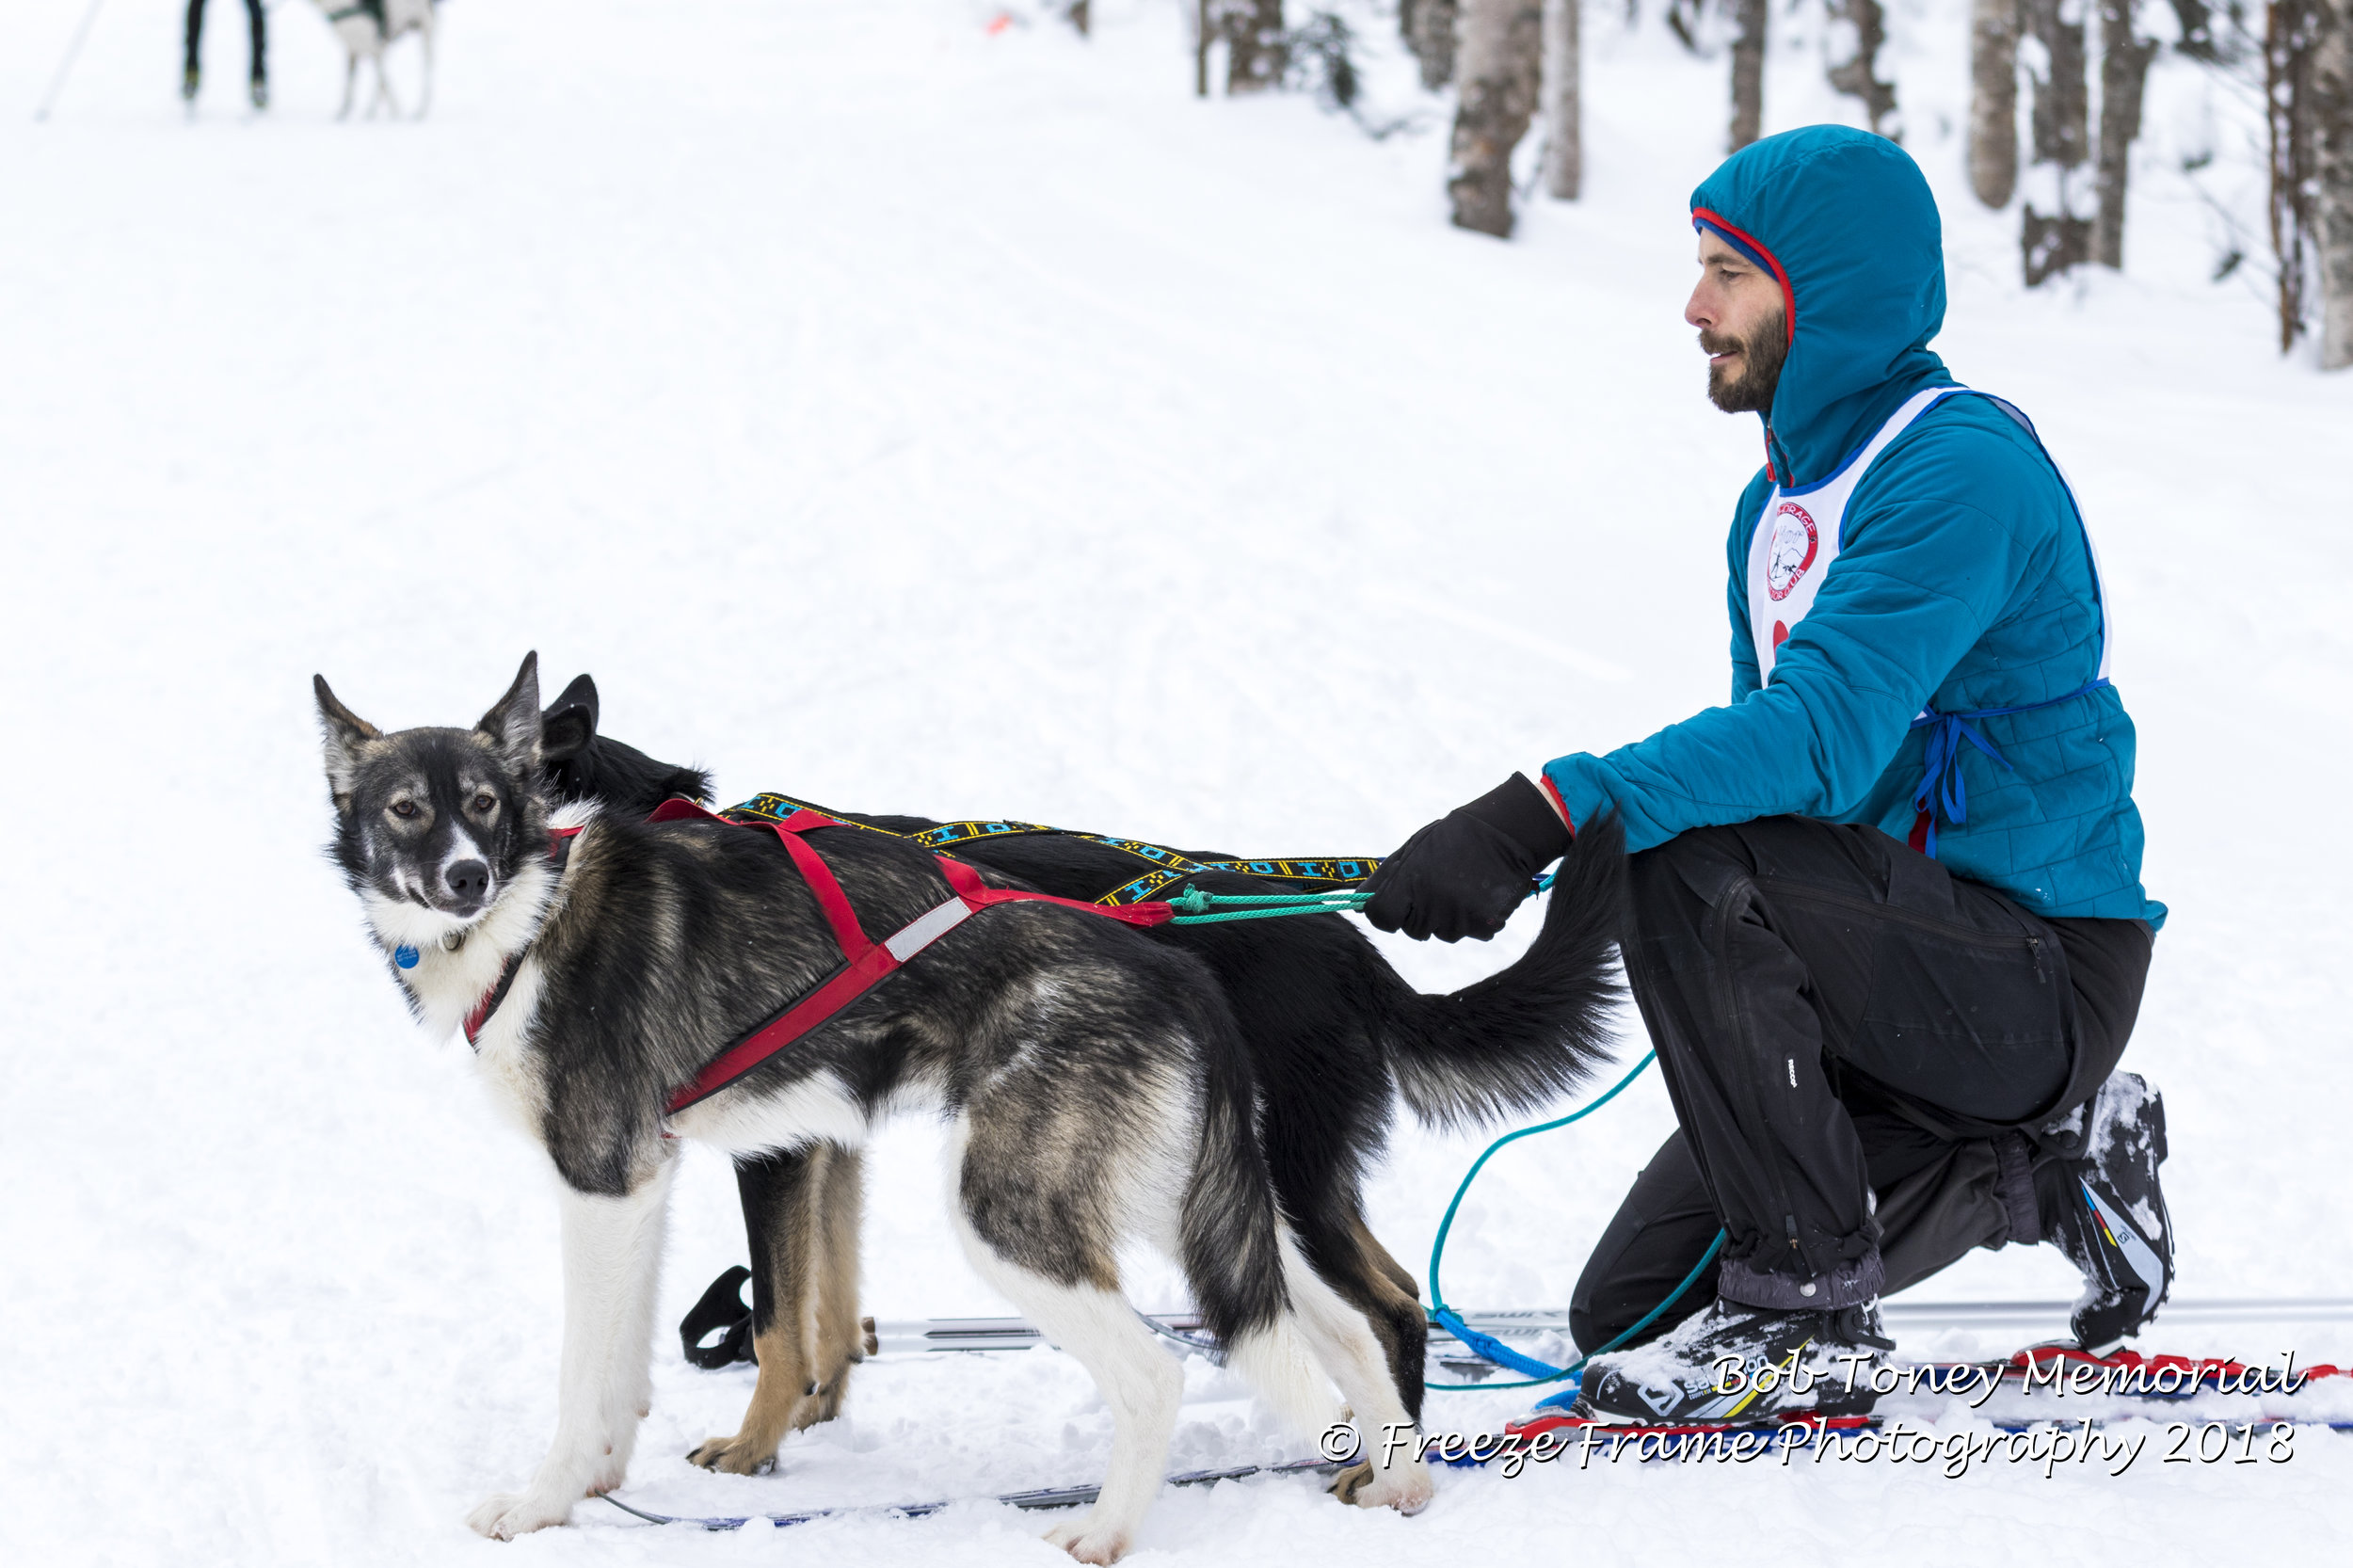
column 1465, row 873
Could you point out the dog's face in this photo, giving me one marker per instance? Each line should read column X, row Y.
column 433, row 824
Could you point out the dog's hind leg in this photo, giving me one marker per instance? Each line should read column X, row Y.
column 383, row 97
column 351, row 80
column 612, row 1260
column 1138, row 1379
column 1393, row 1475
column 842, row 1337
column 781, row 1219
column 1378, row 1286
column 424, row 36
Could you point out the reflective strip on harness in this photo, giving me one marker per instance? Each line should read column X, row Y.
column 921, row 933
column 867, row 963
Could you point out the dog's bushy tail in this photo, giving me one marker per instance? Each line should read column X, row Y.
column 1518, row 1039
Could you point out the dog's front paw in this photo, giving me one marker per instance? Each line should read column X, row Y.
column 1089, row 1541
column 735, row 1456
column 1405, row 1487
column 513, row 1513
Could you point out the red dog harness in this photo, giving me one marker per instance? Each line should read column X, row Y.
column 865, row 963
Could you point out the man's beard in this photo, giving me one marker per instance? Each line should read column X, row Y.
column 1750, row 390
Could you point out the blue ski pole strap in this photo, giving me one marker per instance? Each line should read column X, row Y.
column 1944, row 789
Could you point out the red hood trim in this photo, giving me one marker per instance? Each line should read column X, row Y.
column 1700, row 217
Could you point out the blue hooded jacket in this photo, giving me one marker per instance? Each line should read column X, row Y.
column 1964, row 579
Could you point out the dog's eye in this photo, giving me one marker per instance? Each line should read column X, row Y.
column 484, row 802
column 404, row 809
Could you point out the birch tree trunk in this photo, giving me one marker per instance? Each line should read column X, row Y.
column 1255, row 52
column 1859, row 28
column 2294, row 32
column 2053, row 242
column 1748, row 71
column 1433, row 41
column 1564, row 150
column 1496, row 68
column 2124, row 71
column 2332, row 74
column 1993, row 100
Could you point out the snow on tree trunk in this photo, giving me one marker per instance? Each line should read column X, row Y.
column 1564, row 150
column 1433, row 41
column 2332, row 106
column 2293, row 34
column 1858, row 29
column 1257, row 51
column 1496, row 67
column 1748, row 71
column 2060, row 238
column 1993, row 100
column 2124, row 71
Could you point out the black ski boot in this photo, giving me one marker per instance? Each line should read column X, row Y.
column 2106, row 1213
column 1736, row 1363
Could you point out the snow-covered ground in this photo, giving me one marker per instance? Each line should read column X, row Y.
column 917, row 417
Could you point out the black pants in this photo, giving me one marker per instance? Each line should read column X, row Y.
column 261, row 35
column 1867, row 1057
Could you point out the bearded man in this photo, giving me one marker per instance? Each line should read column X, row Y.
column 1886, row 926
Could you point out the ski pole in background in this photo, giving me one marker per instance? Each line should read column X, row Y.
column 73, row 52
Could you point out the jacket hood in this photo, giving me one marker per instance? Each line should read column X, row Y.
column 1845, row 221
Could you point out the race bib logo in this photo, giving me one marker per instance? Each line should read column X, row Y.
column 1795, row 543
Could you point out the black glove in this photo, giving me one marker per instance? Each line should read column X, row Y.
column 1465, row 873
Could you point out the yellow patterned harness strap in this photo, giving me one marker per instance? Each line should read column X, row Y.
column 1168, row 867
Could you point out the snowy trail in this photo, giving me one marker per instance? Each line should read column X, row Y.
column 917, row 418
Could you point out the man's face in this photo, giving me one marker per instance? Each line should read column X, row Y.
column 1737, row 310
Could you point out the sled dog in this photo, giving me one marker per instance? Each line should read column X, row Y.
column 1332, row 1034
column 1092, row 1080
column 366, row 28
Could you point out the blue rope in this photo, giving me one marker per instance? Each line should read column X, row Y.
column 1486, row 1344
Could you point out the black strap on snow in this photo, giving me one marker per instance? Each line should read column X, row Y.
column 720, row 1309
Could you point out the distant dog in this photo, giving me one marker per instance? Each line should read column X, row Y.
column 1093, row 1082
column 367, row 28
column 1333, row 1037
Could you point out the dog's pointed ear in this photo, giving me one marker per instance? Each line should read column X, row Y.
column 512, row 725
column 346, row 732
column 570, row 723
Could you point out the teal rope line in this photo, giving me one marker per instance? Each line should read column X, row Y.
column 1194, row 907
column 1446, row 1316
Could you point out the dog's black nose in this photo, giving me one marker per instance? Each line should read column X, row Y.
column 468, row 879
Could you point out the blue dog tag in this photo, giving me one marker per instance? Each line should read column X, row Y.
column 406, row 956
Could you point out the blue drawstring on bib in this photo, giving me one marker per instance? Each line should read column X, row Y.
column 1942, row 787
